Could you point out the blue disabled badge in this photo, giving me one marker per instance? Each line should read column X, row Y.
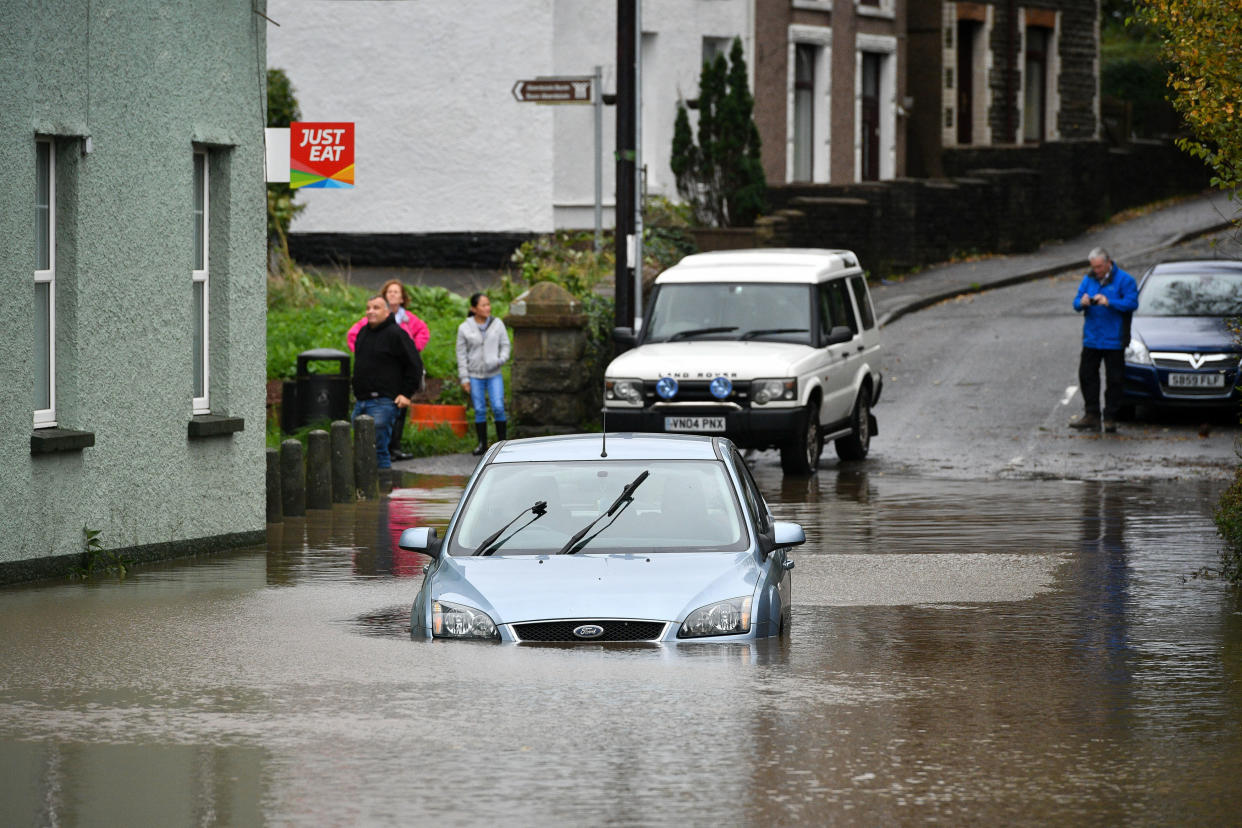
column 666, row 388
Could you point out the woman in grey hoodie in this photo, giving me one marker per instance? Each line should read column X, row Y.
column 482, row 349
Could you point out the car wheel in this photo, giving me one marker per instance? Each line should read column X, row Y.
column 801, row 455
column 857, row 443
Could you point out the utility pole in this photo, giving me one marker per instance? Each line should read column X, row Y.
column 627, row 19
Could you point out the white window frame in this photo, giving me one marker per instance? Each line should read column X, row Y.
column 46, row 417
column 1052, row 72
column 202, row 276
column 885, row 45
column 821, row 109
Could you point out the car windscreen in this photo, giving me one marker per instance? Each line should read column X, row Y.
column 734, row 310
column 680, row 506
column 1191, row 294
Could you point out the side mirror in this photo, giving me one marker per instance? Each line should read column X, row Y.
column 839, row 334
column 625, row 337
column 420, row 539
column 784, row 534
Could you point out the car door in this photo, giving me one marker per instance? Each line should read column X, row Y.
column 869, row 332
column 777, row 586
column 840, row 364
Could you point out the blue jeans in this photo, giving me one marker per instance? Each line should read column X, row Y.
column 494, row 387
column 384, row 412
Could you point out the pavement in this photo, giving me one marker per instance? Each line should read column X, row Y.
column 1126, row 240
column 1133, row 236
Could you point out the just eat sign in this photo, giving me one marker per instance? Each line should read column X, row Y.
column 321, row 154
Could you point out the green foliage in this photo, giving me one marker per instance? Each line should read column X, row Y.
column 1202, row 44
column 721, row 177
column 1228, row 519
column 282, row 110
column 567, row 258
column 308, row 311
column 428, row 442
column 97, row 559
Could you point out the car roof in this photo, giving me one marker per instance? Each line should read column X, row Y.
column 1198, row 266
column 619, row 446
column 798, row 265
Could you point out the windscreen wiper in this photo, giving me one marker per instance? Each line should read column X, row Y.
column 490, row 545
column 571, row 546
column 700, row 332
column 765, row 331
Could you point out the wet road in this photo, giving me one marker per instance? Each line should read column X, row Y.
column 1021, row 651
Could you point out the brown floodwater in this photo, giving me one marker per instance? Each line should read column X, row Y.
column 961, row 652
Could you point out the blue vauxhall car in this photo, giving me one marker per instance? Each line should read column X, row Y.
column 623, row 537
column 1182, row 352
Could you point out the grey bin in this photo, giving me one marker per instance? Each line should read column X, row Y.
column 310, row 398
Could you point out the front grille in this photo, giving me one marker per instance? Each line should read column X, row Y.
column 614, row 630
column 699, row 391
column 1183, row 362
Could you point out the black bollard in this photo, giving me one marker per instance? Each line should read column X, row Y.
column 318, row 473
column 292, row 479
column 342, row 463
column 366, row 472
column 274, row 513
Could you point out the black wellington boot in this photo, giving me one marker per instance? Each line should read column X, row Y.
column 502, row 430
column 481, row 430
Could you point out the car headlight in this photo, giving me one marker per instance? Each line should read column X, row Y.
column 623, row 391
column 1137, row 353
column 457, row 621
column 764, row 391
column 731, row 617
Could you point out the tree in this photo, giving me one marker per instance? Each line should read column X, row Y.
column 721, row 176
column 282, row 110
column 1202, row 42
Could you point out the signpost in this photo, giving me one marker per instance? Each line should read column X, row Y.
column 558, row 90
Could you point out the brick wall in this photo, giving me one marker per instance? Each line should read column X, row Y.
column 994, row 200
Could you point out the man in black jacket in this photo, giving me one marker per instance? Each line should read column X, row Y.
column 387, row 372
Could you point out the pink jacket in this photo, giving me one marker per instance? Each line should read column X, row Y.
column 415, row 327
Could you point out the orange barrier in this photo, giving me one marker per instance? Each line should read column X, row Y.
column 430, row 416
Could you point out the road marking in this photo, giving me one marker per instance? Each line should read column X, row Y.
column 1069, row 394
column 1015, row 461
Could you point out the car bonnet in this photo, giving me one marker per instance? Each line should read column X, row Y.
column 660, row 586
column 1184, row 333
column 705, row 359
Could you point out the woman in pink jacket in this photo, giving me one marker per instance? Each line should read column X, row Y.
column 398, row 299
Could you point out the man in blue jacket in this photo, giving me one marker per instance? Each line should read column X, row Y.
column 1106, row 298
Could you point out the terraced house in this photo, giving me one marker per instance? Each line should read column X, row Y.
column 132, row 361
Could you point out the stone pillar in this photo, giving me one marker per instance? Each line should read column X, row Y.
column 275, row 512
column 292, row 479
column 342, row 463
column 550, row 384
column 318, row 470
column 366, row 472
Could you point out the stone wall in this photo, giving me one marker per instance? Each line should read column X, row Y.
column 550, row 388
column 994, row 200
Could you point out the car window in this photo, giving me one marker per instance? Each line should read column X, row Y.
column 682, row 506
column 835, row 308
column 1191, row 294
column 862, row 300
column 771, row 312
column 755, row 504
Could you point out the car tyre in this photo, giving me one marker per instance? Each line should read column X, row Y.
column 857, row 443
column 800, row 456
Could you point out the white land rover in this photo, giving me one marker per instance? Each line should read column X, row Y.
column 771, row 348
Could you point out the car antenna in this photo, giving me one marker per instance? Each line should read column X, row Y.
column 603, row 447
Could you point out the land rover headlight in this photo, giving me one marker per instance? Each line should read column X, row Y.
column 623, row 392
column 731, row 617
column 1137, row 353
column 764, row 391
column 458, row 621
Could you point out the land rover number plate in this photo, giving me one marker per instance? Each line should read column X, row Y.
column 1196, row 380
column 694, row 424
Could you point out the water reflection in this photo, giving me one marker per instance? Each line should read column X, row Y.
column 961, row 652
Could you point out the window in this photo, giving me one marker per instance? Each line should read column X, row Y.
column 45, row 285
column 834, row 308
column 713, row 46
column 200, row 282
column 804, row 111
column 871, row 63
column 863, row 301
column 1035, row 84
